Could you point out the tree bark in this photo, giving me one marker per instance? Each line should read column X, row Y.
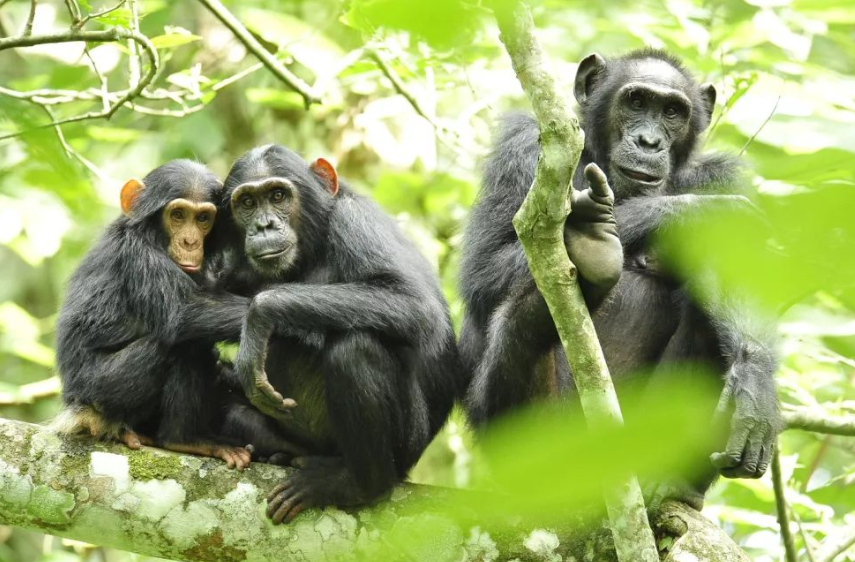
column 182, row 507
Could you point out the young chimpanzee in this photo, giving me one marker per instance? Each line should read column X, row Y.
column 353, row 326
column 135, row 334
column 643, row 115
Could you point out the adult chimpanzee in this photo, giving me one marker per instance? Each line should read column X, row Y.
column 135, row 335
column 361, row 335
column 643, row 115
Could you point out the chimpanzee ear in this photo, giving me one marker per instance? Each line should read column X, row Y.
column 708, row 95
column 130, row 191
column 589, row 72
column 325, row 171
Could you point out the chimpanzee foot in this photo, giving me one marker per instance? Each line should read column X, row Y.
column 657, row 492
column 319, row 482
column 233, row 456
column 133, row 440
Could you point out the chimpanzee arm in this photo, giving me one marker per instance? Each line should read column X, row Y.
column 749, row 400
column 212, row 316
column 642, row 215
column 332, row 307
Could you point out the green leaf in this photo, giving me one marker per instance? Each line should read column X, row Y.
column 173, row 40
column 278, row 99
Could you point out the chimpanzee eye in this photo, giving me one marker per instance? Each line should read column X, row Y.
column 277, row 195
column 247, row 202
column 636, row 103
column 671, row 111
column 177, row 214
column 202, row 217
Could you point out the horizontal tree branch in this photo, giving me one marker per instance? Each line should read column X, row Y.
column 182, row 507
column 808, row 419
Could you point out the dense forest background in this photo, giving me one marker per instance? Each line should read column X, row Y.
column 408, row 95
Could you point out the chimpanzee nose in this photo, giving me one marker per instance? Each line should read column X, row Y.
column 649, row 142
column 264, row 223
column 190, row 243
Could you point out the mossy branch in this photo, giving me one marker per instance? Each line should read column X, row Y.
column 540, row 226
column 182, row 507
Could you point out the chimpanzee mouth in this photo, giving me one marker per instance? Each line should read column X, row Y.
column 272, row 254
column 639, row 176
column 189, row 267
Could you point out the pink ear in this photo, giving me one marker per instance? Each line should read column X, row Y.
column 130, row 191
column 326, row 172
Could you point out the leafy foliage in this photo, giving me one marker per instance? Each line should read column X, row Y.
column 412, row 135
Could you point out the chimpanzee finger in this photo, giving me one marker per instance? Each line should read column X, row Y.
column 732, row 456
column 285, row 508
column 275, row 503
column 763, row 463
column 295, row 511
column 281, row 487
column 751, row 457
column 765, row 455
column 226, row 456
column 244, row 459
column 598, row 181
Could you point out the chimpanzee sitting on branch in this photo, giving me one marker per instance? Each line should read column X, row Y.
column 349, row 321
column 643, row 115
column 135, row 336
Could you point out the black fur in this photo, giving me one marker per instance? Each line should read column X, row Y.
column 649, row 319
column 361, row 338
column 135, row 335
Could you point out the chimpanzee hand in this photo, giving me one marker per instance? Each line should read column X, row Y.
column 249, row 365
column 591, row 234
column 754, row 425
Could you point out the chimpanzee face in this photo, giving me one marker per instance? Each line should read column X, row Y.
column 649, row 113
column 187, row 223
column 267, row 211
column 182, row 194
column 646, row 114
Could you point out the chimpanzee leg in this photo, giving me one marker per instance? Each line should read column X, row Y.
column 125, row 386
column 366, row 415
column 187, row 406
column 247, row 425
column 520, row 332
column 691, row 358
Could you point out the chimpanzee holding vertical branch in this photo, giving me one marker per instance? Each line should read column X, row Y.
column 643, row 115
column 349, row 321
column 135, row 336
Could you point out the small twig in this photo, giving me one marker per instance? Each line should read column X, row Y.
column 399, row 86
column 70, row 152
column 805, row 538
column 73, row 11
column 762, row 125
column 94, row 15
column 835, row 547
column 110, row 35
column 28, row 29
column 253, row 46
column 133, row 51
column 165, row 112
column 781, row 506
